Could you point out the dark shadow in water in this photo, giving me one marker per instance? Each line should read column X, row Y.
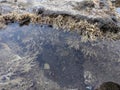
column 66, row 65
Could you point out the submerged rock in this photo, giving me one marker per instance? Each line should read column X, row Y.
column 41, row 57
column 109, row 86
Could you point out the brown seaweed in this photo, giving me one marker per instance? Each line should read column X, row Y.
column 88, row 27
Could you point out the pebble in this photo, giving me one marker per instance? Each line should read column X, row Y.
column 46, row 66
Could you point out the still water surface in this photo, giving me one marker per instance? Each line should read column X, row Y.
column 63, row 56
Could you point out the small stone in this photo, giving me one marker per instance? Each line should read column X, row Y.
column 46, row 66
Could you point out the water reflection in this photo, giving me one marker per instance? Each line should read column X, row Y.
column 62, row 56
column 118, row 10
column 66, row 66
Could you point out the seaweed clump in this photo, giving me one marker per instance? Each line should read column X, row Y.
column 2, row 22
column 58, row 21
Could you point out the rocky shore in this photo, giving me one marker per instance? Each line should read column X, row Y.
column 59, row 45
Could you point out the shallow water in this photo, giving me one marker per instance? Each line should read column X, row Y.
column 118, row 10
column 63, row 57
column 117, row 6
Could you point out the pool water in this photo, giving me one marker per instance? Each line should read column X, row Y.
column 37, row 57
column 118, row 10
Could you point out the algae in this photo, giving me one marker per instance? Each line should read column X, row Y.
column 89, row 27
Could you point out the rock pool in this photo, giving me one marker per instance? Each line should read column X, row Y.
column 38, row 57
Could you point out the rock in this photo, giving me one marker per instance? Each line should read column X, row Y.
column 4, row 46
column 109, row 86
column 46, row 66
column 58, row 59
column 100, row 20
